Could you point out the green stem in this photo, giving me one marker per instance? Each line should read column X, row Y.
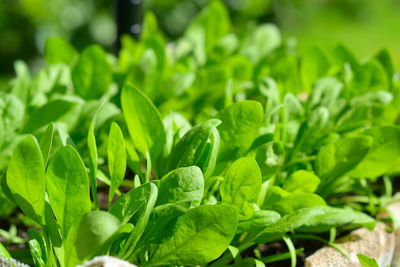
column 224, row 260
column 148, row 171
column 332, row 234
column 388, row 186
column 280, row 257
column 317, row 238
column 300, row 160
column 292, row 250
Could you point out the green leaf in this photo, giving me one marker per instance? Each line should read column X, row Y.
column 383, row 56
column 148, row 205
column 181, row 185
column 190, row 148
column 202, row 235
column 312, row 130
column 57, row 50
column 92, row 74
column 52, row 227
column 92, row 147
column 240, row 126
column 335, row 217
column 161, row 225
column 12, row 112
column 37, row 247
column 143, row 120
column 26, row 178
column 46, row 142
column 260, row 220
column 208, row 160
column 88, row 235
column 287, row 223
column 175, row 126
column 293, row 116
column 213, row 22
column 336, row 159
column 60, row 139
column 56, row 110
column 3, row 252
column 68, row 187
column 22, row 83
column 260, row 42
column 129, row 203
column 366, row 261
column 342, row 55
column 116, row 159
column 285, row 203
column 314, row 64
column 301, row 181
column 270, row 157
column 36, row 252
column 133, row 159
column 241, row 186
column 384, row 152
column 114, row 240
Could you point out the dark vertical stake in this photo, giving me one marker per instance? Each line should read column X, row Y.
column 129, row 19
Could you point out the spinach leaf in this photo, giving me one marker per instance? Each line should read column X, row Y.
column 260, row 42
column 12, row 112
column 93, row 155
column 56, row 110
column 335, row 217
column 202, row 235
column 57, row 50
column 26, row 178
column 144, row 121
column 116, row 159
column 270, row 157
column 162, row 222
column 213, row 23
column 181, row 185
column 3, row 252
column 128, row 204
column 260, row 220
column 37, row 247
column 240, row 125
column 92, row 74
column 301, row 181
column 384, row 152
column 68, row 187
column 241, row 186
column 286, row 203
column 46, row 142
column 36, row 252
column 88, row 234
column 314, row 64
column 192, row 146
column 287, row 223
column 208, row 159
column 130, row 245
column 336, row 159
column 366, row 261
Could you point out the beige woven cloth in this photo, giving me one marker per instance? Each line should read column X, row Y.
column 378, row 244
column 107, row 261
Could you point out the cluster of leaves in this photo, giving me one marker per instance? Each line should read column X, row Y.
column 234, row 140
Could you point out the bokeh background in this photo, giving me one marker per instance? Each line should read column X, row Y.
column 363, row 25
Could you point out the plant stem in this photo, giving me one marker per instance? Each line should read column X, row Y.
column 317, row 238
column 224, row 260
column 280, row 257
column 292, row 250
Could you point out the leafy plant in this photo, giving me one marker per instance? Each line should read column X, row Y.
column 202, row 150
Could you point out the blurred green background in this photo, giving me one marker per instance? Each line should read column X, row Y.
column 363, row 25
